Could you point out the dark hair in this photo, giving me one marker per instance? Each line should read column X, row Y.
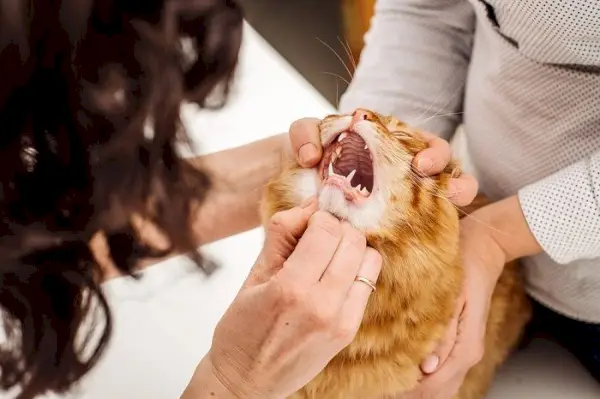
column 90, row 97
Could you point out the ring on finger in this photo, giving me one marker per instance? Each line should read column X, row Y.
column 365, row 280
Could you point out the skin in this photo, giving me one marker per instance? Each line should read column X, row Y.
column 303, row 292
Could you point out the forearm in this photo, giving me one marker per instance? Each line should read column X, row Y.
column 563, row 211
column 205, row 385
column 414, row 63
column 239, row 176
column 505, row 222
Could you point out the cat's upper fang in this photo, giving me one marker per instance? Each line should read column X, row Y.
column 350, row 176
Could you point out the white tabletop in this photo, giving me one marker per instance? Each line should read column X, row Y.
column 164, row 323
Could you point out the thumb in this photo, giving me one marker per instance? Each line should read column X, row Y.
column 281, row 237
column 439, row 355
column 305, row 142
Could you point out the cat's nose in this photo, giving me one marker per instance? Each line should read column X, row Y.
column 361, row 115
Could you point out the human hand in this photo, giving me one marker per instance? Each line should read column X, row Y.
column 463, row 345
column 305, row 146
column 297, row 309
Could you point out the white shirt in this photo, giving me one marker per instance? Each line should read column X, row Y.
column 523, row 76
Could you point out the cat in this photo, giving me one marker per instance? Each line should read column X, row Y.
column 366, row 177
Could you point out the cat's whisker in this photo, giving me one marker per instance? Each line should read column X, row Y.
column 440, row 94
column 445, row 89
column 337, row 76
column 346, row 47
column 417, row 125
column 447, row 102
column 436, row 192
column 338, row 57
column 337, row 94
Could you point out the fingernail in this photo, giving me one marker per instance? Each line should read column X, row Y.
column 452, row 191
column 430, row 364
column 424, row 164
column 307, row 202
column 307, row 153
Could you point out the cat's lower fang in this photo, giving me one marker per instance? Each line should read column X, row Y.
column 330, row 170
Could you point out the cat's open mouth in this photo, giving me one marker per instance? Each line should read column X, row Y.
column 348, row 165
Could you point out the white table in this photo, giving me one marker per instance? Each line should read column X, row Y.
column 164, row 323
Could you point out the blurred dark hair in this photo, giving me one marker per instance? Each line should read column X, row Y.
column 90, row 97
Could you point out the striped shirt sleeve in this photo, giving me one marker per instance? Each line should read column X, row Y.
column 563, row 211
column 414, row 63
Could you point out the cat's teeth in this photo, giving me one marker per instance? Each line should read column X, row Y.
column 350, row 176
column 364, row 191
column 341, row 137
column 358, row 188
column 338, row 151
column 366, row 147
column 330, row 170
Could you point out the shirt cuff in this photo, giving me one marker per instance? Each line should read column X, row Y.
column 563, row 213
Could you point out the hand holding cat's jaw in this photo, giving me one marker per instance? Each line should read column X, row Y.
column 463, row 189
column 306, row 149
column 306, row 142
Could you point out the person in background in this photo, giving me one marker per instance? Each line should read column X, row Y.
column 523, row 77
column 91, row 185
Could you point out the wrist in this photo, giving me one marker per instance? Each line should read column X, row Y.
column 506, row 225
column 206, row 384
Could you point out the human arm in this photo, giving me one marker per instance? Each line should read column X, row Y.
column 414, row 63
column 206, row 385
column 303, row 304
column 489, row 237
column 558, row 214
column 239, row 176
column 563, row 211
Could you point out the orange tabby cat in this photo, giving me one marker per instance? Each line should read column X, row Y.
column 366, row 177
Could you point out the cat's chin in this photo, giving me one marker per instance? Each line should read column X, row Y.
column 364, row 214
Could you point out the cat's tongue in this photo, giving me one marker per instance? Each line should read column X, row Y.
column 353, row 154
column 348, row 164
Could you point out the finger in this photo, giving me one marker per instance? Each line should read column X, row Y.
column 441, row 353
column 281, row 237
column 354, row 307
column 314, row 251
column 344, row 266
column 463, row 355
column 441, row 386
column 435, row 157
column 462, row 190
column 306, row 142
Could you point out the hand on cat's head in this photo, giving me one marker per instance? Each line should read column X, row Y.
column 306, row 148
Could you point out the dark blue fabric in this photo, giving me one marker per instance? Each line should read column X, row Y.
column 581, row 339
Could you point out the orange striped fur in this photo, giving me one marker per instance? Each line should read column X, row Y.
column 416, row 229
